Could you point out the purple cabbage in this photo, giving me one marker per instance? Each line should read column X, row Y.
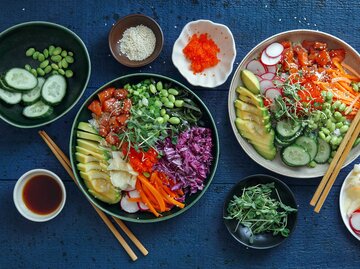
column 188, row 162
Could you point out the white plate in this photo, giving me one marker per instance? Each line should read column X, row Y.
column 276, row 165
column 343, row 214
column 222, row 36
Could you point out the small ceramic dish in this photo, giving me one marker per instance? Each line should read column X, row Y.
column 123, row 24
column 18, row 195
column 342, row 202
column 222, row 36
column 262, row 240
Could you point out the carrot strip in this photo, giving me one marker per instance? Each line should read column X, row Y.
column 354, row 101
column 338, row 65
column 145, row 199
column 171, row 200
column 153, row 191
column 135, row 200
column 347, row 87
column 337, row 79
column 351, row 70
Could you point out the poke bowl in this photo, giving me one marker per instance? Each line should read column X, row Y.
column 155, row 159
column 306, row 85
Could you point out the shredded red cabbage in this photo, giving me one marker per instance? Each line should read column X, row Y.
column 188, row 162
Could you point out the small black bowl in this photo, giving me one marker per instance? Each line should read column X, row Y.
column 262, row 240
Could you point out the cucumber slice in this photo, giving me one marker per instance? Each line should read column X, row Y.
column 287, row 128
column 309, row 144
column 34, row 95
column 295, row 155
column 324, row 152
column 37, row 110
column 54, row 89
column 20, row 79
column 10, row 98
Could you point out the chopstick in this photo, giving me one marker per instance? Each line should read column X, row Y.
column 65, row 162
column 329, row 178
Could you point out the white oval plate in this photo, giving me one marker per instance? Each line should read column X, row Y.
column 343, row 214
column 276, row 165
column 222, row 36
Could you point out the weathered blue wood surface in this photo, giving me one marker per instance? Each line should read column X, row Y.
column 77, row 238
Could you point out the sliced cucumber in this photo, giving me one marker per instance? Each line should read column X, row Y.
column 295, row 155
column 4, row 86
column 309, row 144
column 34, row 95
column 20, row 79
column 324, row 152
column 54, row 89
column 287, row 128
column 10, row 98
column 37, row 110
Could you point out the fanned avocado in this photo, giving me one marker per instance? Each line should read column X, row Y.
column 87, row 127
column 248, row 97
column 85, row 151
column 86, row 167
column 103, row 190
column 94, row 174
column 89, row 136
column 250, row 81
column 90, row 145
column 242, row 114
column 260, row 111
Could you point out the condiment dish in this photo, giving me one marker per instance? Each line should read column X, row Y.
column 222, row 36
column 18, row 195
column 262, row 240
column 123, row 24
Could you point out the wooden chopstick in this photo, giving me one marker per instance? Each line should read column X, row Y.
column 329, row 178
column 66, row 164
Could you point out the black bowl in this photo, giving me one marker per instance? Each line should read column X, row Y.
column 262, row 240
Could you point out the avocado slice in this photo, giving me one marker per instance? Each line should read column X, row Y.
column 83, row 158
column 111, row 195
column 86, row 151
column 259, row 111
column 250, row 81
column 86, row 167
column 94, row 174
column 242, row 114
column 90, row 145
column 89, row 136
column 87, row 127
column 248, row 97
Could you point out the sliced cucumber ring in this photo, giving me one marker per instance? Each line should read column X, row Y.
column 37, row 110
column 10, row 98
column 54, row 89
column 295, row 155
column 286, row 129
column 34, row 95
column 324, row 152
column 20, row 79
column 309, row 144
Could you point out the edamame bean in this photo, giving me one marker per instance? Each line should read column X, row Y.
column 328, row 138
column 27, row 67
column 325, row 131
column 162, row 112
column 333, row 153
column 174, row 120
column 336, row 104
column 64, row 63
column 69, row 73
column 60, row 65
column 332, row 127
column 344, row 129
column 173, row 91
column 51, row 50
column 355, row 87
column 152, row 88
column 40, row 71
column 339, row 140
column 47, row 69
column 56, row 58
column 64, row 53
column 164, row 93
column 322, row 135
column 160, row 120
column 159, row 86
column 166, row 117
column 30, row 52
column 339, row 125
column 70, row 53
column 44, row 64
column 357, row 141
column 33, row 71
column 54, row 72
column 171, row 98
column 169, row 104
column 312, row 164
column 69, row 59
column 158, row 103
column 41, row 57
column 326, row 106
column 61, row 71
column 57, row 51
column 342, row 107
column 330, row 160
column 35, row 55
column 337, row 115
column 46, row 53
column 54, row 66
column 329, row 96
column 333, row 140
column 179, row 103
column 164, row 100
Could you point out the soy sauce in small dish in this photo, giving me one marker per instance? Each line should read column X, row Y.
column 42, row 194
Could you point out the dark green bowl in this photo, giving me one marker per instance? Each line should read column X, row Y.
column 142, row 217
column 38, row 34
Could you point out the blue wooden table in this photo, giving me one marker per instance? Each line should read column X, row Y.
column 77, row 238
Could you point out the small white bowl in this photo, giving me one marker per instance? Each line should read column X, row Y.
column 222, row 36
column 18, row 196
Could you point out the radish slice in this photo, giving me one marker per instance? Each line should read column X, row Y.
column 355, row 222
column 256, row 67
column 134, row 194
column 272, row 93
column 265, row 59
column 266, row 84
column 129, row 188
column 127, row 206
column 142, row 206
column 274, row 50
column 271, row 69
column 268, row 76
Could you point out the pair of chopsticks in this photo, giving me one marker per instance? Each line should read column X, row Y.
column 329, row 178
column 65, row 162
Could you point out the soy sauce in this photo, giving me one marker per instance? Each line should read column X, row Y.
column 42, row 194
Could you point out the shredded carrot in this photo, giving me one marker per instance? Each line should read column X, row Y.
column 336, row 79
column 154, row 191
column 351, row 70
column 135, row 200
column 145, row 199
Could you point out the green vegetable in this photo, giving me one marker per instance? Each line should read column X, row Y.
column 259, row 212
column 44, row 64
column 41, row 57
column 174, row 120
column 35, row 55
column 57, row 51
column 30, row 52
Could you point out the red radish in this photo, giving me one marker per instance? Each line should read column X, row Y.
column 354, row 221
column 272, row 93
column 266, row 84
column 134, row 194
column 256, row 67
column 274, row 50
column 142, row 206
column 265, row 59
column 127, row 206
column 271, row 69
column 268, row 76
column 129, row 188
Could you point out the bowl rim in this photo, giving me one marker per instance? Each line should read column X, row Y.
column 146, row 61
column 273, row 179
column 86, row 82
column 231, row 62
column 230, row 102
column 210, row 177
